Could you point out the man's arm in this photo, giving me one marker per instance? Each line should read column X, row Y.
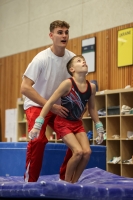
column 28, row 91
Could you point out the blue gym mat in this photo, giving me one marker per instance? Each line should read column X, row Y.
column 94, row 184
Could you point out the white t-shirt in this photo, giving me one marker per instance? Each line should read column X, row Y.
column 47, row 71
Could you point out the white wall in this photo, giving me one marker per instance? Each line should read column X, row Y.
column 24, row 24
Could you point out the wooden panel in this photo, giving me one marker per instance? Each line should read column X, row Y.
column 122, row 76
column 107, row 73
column 2, row 97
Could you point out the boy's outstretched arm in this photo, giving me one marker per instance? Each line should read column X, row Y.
column 94, row 115
column 60, row 91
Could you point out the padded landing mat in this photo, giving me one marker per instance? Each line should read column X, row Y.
column 94, row 184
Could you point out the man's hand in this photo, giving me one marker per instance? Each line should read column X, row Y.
column 59, row 110
column 100, row 138
column 34, row 133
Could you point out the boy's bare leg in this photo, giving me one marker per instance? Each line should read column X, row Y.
column 84, row 142
column 64, row 164
column 71, row 141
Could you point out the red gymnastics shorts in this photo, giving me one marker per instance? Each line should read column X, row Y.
column 63, row 127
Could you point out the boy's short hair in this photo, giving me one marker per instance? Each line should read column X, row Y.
column 69, row 64
column 58, row 23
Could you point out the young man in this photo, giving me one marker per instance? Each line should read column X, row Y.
column 75, row 93
column 41, row 78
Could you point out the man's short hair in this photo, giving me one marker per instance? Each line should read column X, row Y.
column 58, row 23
